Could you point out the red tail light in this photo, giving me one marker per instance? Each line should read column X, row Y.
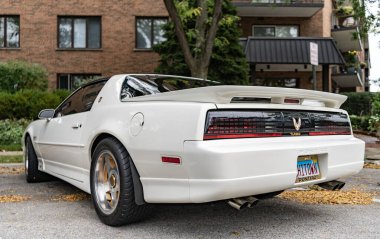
column 242, row 124
column 292, row 101
column 328, row 133
column 235, row 136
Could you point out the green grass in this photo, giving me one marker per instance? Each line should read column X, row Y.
column 12, row 147
column 11, row 159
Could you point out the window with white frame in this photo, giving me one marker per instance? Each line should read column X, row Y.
column 277, row 82
column 275, row 31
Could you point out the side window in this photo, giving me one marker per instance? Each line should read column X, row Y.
column 90, row 93
column 81, row 101
column 72, row 105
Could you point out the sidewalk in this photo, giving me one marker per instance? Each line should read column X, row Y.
column 372, row 146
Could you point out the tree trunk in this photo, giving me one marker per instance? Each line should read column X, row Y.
column 198, row 63
column 200, row 70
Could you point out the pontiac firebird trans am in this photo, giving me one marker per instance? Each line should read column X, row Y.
column 134, row 140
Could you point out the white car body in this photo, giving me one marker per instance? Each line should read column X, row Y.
column 172, row 124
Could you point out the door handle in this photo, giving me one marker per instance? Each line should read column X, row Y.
column 76, row 126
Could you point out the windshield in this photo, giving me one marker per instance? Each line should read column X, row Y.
column 140, row 85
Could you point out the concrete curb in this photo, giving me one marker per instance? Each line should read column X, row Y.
column 376, row 199
column 11, row 153
column 11, row 164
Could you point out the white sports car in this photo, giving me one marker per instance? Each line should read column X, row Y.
column 133, row 140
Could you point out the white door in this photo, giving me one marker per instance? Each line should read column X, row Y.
column 59, row 139
column 60, row 146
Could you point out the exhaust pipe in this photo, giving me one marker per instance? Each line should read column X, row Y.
column 244, row 202
column 252, row 201
column 332, row 185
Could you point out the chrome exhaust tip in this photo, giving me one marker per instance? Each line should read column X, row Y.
column 241, row 203
column 252, row 201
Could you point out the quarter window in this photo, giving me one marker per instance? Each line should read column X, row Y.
column 149, row 32
column 90, row 93
column 79, row 32
column 9, row 31
column 74, row 81
column 275, row 31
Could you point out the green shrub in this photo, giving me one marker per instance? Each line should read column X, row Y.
column 19, row 75
column 358, row 103
column 28, row 103
column 360, row 122
column 374, row 123
column 11, row 131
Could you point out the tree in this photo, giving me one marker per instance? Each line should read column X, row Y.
column 362, row 11
column 202, row 41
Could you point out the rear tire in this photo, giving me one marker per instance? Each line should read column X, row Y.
column 32, row 174
column 112, row 189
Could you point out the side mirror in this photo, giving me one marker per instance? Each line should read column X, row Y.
column 46, row 114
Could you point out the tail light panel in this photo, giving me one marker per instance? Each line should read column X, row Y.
column 225, row 124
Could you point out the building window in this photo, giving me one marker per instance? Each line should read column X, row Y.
column 9, row 31
column 74, row 81
column 79, row 32
column 277, row 82
column 275, row 31
column 149, row 31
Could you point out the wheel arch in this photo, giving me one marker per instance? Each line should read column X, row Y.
column 29, row 132
column 137, row 185
column 26, row 135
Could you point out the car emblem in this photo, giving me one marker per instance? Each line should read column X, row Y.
column 297, row 123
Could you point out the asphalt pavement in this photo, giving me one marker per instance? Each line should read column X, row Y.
column 42, row 216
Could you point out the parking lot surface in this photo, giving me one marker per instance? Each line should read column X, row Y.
column 46, row 215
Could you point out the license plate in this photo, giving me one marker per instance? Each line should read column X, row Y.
column 308, row 168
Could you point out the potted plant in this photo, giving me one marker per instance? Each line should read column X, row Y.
column 352, row 62
column 344, row 11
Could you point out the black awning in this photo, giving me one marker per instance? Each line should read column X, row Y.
column 270, row 50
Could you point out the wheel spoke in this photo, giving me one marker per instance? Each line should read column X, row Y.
column 108, row 164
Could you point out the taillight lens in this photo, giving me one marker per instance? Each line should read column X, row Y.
column 242, row 124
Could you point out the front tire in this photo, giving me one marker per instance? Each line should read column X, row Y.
column 32, row 174
column 112, row 185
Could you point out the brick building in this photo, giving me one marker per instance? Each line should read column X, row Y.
column 76, row 40
column 278, row 34
column 79, row 39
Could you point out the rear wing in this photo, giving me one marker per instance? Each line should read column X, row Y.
column 226, row 94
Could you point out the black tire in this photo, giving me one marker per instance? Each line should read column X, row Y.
column 126, row 210
column 32, row 174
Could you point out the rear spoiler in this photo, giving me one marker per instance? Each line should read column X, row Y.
column 224, row 95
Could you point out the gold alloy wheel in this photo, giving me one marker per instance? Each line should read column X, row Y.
column 107, row 182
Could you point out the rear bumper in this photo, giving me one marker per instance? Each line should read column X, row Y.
column 223, row 169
